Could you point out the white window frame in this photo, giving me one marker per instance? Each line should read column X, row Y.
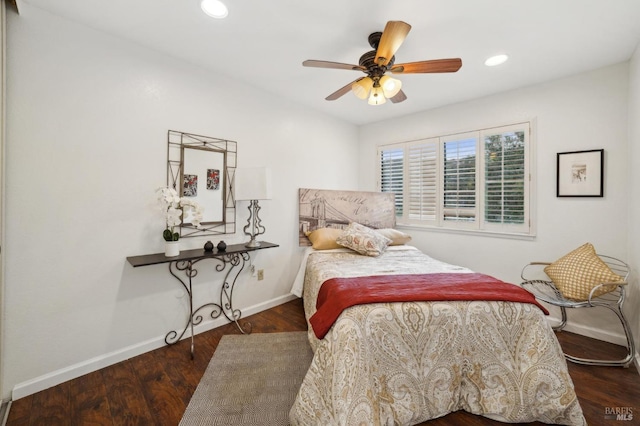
column 480, row 224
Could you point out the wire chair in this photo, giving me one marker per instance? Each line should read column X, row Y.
column 544, row 289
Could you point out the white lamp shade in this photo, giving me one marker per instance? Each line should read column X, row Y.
column 377, row 96
column 361, row 88
column 253, row 184
column 390, row 86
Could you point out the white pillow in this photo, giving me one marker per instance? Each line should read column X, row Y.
column 397, row 238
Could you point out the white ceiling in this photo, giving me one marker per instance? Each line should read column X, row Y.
column 263, row 43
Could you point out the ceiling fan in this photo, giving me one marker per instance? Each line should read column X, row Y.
column 377, row 87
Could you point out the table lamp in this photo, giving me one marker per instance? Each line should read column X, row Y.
column 253, row 184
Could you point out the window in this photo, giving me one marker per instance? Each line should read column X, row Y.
column 422, row 181
column 475, row 180
column 459, row 178
column 391, row 175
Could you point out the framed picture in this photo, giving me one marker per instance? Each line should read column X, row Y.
column 190, row 186
column 580, row 173
column 213, row 178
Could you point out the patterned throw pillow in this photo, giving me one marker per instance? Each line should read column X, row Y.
column 324, row 238
column 579, row 271
column 363, row 240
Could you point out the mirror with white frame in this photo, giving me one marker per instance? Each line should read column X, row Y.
column 202, row 169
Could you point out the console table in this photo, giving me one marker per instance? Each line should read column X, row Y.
column 234, row 256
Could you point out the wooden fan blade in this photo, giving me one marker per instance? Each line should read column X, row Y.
column 342, row 91
column 436, row 65
column 333, row 65
column 392, row 37
column 399, row 97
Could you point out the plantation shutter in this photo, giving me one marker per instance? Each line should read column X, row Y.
column 505, row 178
column 391, row 175
column 459, row 177
column 422, row 176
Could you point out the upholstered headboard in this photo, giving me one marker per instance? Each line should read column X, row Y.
column 322, row 208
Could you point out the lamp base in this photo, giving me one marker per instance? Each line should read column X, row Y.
column 254, row 224
column 253, row 244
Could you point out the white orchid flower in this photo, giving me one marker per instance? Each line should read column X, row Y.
column 173, row 206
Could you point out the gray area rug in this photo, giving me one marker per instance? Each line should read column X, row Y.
column 251, row 379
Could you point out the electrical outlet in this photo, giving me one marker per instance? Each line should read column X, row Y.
column 260, row 274
column 253, row 270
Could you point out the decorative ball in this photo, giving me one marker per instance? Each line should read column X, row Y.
column 222, row 246
column 208, row 246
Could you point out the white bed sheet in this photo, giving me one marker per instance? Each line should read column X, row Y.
column 298, row 283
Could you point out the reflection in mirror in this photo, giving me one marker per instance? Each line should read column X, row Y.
column 202, row 168
column 203, row 180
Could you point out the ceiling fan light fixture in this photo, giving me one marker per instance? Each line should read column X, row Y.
column 496, row 60
column 361, row 88
column 390, row 86
column 214, row 8
column 376, row 87
column 377, row 96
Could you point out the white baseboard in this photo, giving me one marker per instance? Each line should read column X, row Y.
column 615, row 338
column 74, row 371
column 4, row 411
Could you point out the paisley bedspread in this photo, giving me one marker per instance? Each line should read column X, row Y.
column 405, row 363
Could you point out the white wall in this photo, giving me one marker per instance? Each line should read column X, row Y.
column 88, row 116
column 633, row 301
column 86, row 147
column 587, row 111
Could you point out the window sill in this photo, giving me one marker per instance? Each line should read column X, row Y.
column 474, row 232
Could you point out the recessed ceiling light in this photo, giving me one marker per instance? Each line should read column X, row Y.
column 214, row 8
column 496, row 60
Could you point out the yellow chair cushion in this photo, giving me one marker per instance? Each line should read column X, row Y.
column 578, row 272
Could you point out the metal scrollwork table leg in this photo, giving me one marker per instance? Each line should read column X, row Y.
column 236, row 263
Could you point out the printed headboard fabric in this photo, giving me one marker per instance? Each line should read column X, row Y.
column 323, row 208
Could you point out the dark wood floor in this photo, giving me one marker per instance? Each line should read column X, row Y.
column 155, row 388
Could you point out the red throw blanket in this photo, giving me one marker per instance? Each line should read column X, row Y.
column 337, row 294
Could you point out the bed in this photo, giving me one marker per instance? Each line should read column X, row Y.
column 405, row 362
